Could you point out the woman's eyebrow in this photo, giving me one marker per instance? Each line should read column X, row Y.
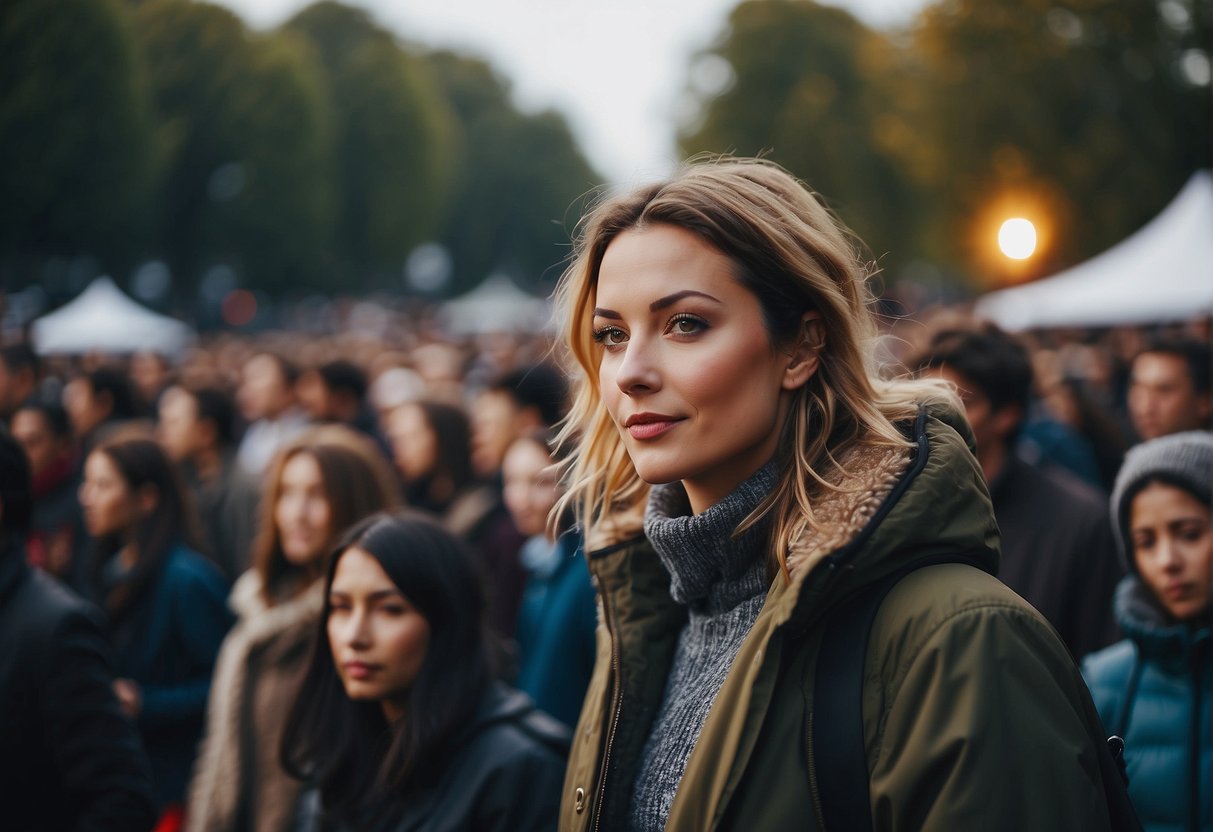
column 660, row 303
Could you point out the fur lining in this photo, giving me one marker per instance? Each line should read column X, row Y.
column 872, row 472
column 215, row 792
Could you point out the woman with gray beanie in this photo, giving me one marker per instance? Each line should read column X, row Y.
column 1154, row 688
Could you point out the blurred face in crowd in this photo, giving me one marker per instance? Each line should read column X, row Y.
column 494, row 426
column 302, row 512
column 36, row 437
column 414, row 442
column 1172, row 540
column 85, row 409
column 14, row 388
column 110, row 504
column 264, row 392
column 532, row 486
column 378, row 638
column 1162, row 397
column 149, row 373
column 313, row 396
column 178, row 428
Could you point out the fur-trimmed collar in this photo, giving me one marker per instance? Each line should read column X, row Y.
column 864, row 479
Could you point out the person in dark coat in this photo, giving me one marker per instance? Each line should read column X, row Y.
column 399, row 723
column 1155, row 688
column 56, row 537
column 1057, row 547
column 69, row 758
column 166, row 603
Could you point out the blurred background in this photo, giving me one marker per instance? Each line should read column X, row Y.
column 247, row 166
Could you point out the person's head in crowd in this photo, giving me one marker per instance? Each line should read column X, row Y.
column 18, row 377
column 324, row 481
column 196, row 422
column 431, row 446
column 333, row 392
column 1161, row 509
column 16, row 490
column 43, row 429
column 441, row 367
column 135, row 506
column 402, row 659
column 520, row 401
column 267, row 387
column 150, row 373
column 993, row 374
column 1169, row 388
column 531, row 482
column 98, row 397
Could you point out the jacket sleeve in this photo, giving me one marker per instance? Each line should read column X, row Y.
column 97, row 749
column 201, row 619
column 987, row 728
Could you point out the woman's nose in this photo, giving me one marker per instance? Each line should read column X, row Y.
column 638, row 372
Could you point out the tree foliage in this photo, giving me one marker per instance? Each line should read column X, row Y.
column 519, row 180
column 808, row 93
column 75, row 134
column 393, row 138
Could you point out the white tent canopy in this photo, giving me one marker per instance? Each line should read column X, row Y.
column 497, row 305
column 103, row 319
column 1162, row 273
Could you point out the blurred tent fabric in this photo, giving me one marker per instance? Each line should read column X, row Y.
column 1162, row 273
column 103, row 319
column 497, row 305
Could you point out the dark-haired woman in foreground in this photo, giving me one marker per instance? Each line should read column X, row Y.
column 399, row 722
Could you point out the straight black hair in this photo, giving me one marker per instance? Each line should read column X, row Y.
column 348, row 749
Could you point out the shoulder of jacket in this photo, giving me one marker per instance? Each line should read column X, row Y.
column 933, row 599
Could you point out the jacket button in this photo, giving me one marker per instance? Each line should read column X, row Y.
column 580, row 804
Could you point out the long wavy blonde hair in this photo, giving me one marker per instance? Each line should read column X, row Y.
column 796, row 257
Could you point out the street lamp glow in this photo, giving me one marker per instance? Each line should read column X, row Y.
column 1017, row 238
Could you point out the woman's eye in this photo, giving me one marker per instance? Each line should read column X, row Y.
column 610, row 336
column 686, row 325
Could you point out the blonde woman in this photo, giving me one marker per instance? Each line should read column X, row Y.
column 742, row 473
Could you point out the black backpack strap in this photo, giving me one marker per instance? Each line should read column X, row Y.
column 842, row 782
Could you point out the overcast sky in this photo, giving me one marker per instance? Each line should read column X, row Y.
column 615, row 68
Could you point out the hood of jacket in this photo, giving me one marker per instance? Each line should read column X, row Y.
column 1142, row 620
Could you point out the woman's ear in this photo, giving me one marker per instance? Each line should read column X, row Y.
column 806, row 351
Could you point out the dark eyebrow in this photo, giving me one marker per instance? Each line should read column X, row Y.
column 660, row 303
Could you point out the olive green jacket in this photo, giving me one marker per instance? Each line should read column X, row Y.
column 975, row 716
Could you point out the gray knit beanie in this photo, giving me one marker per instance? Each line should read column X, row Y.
column 1184, row 460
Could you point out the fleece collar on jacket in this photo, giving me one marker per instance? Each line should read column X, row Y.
column 1141, row 619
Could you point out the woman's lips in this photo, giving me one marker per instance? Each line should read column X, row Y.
column 358, row 670
column 651, row 429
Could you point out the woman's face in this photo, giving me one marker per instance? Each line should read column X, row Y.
column 414, row 443
column 379, row 639
column 109, row 503
column 302, row 512
column 1173, row 547
column 688, row 374
column 532, row 486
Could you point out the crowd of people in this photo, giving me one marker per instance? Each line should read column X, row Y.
column 289, row 582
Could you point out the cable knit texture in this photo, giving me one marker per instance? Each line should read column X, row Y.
column 722, row 579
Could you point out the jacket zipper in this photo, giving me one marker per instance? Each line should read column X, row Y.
column 616, row 707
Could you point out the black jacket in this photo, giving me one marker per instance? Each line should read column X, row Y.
column 69, row 758
column 506, row 777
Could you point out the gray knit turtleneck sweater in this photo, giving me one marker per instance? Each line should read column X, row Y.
column 723, row 581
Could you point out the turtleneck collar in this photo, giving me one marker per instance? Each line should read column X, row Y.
column 710, row 569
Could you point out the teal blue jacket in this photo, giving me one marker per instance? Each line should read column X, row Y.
column 1155, row 689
